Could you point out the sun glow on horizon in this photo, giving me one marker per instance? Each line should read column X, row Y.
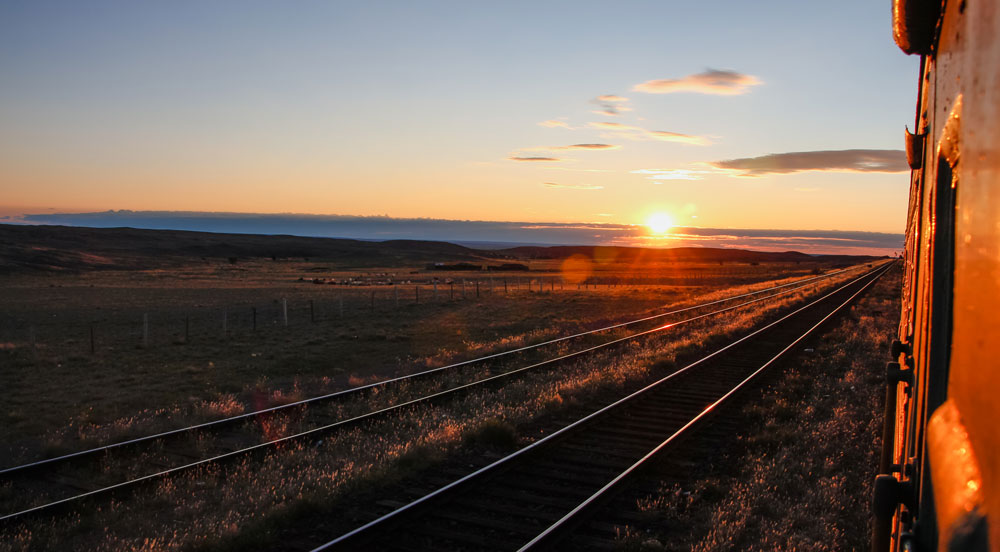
column 659, row 223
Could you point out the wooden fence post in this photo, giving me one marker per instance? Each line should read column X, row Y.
column 145, row 330
column 253, row 313
column 92, row 348
column 312, row 312
column 284, row 311
column 477, row 289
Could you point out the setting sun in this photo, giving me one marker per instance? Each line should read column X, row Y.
column 659, row 223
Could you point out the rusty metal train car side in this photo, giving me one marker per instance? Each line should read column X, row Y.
column 940, row 482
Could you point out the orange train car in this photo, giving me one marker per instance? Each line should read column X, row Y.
column 940, row 466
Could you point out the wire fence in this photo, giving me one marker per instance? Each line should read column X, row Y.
column 333, row 301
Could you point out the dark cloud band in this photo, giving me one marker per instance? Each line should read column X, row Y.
column 853, row 160
column 383, row 227
column 541, row 159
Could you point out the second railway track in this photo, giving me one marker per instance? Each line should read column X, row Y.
column 528, row 500
column 50, row 478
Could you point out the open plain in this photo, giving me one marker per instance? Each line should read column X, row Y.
column 96, row 357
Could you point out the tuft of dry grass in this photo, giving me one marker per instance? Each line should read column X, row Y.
column 493, row 433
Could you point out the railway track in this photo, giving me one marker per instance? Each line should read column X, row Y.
column 51, row 483
column 532, row 498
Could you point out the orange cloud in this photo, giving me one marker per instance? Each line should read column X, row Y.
column 613, row 126
column 572, row 169
column 710, row 81
column 631, row 132
column 672, row 174
column 552, row 123
column 572, row 147
column 572, row 186
column 590, row 146
column 678, row 137
column 516, row 158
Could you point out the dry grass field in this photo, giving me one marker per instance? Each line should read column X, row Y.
column 63, row 397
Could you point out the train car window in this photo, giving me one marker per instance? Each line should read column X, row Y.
column 913, row 253
column 943, row 269
column 943, row 205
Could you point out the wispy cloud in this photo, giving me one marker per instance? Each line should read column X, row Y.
column 611, row 104
column 853, row 160
column 571, row 186
column 613, row 126
column 678, row 137
column 672, row 174
column 542, row 159
column 577, row 169
column 570, row 147
column 710, row 81
column 632, row 132
column 553, row 123
column 589, row 147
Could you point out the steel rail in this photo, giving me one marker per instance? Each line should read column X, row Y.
column 546, row 537
column 355, row 390
column 376, row 413
column 490, row 468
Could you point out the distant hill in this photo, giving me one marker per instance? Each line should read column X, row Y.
column 687, row 254
column 704, row 254
column 74, row 248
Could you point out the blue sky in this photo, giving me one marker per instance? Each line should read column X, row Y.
column 416, row 109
